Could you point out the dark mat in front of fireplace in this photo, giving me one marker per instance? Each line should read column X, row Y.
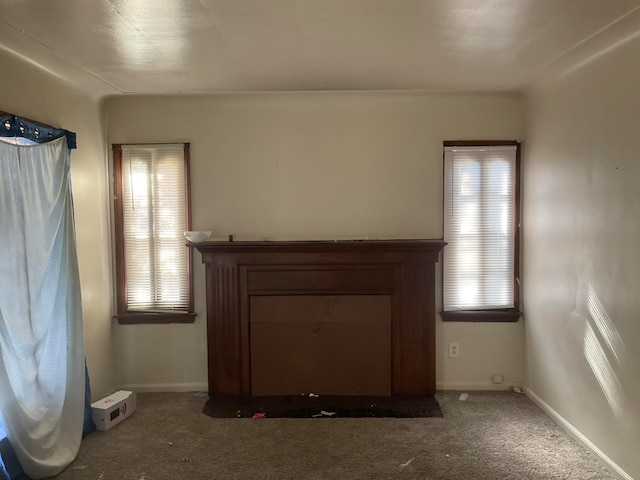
column 322, row 406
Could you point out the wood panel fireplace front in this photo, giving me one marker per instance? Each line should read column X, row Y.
column 332, row 318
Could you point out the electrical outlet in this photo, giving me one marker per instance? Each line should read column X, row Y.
column 454, row 350
column 497, row 378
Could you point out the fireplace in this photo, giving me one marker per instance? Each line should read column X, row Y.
column 332, row 318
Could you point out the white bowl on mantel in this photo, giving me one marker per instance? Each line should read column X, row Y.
column 197, row 236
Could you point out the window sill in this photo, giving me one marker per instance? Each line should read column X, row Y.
column 157, row 318
column 481, row 316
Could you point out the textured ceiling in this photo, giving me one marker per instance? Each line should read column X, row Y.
column 188, row 46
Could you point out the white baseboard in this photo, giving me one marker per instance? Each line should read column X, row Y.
column 575, row 433
column 473, row 386
column 203, row 387
column 165, row 387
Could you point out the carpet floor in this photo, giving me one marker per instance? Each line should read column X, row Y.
column 489, row 436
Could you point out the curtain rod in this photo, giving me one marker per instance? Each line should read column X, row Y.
column 12, row 125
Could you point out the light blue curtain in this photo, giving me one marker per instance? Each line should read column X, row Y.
column 42, row 369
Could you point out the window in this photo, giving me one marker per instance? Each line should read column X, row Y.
column 481, row 224
column 153, row 265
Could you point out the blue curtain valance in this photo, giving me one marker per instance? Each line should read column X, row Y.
column 14, row 126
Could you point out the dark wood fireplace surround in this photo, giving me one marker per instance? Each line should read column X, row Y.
column 334, row 318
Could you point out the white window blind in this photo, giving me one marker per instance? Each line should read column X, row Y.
column 479, row 213
column 154, row 218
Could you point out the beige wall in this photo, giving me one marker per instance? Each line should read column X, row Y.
column 581, row 257
column 314, row 166
column 36, row 94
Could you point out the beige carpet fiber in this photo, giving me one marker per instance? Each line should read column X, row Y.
column 491, row 435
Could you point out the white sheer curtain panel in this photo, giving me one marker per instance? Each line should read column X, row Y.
column 41, row 344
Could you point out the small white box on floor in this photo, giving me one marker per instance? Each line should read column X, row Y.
column 113, row 409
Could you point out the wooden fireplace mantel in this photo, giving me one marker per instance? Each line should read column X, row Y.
column 241, row 275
